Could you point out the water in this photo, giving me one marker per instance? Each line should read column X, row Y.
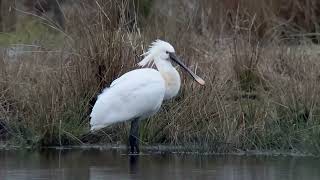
column 97, row 164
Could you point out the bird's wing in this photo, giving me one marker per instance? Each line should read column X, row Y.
column 137, row 75
column 138, row 93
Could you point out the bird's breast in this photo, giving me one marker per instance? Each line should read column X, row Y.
column 172, row 82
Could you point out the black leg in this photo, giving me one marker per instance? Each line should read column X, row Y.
column 134, row 136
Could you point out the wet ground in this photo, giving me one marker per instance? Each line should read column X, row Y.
column 96, row 164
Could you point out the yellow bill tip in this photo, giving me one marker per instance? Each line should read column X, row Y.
column 200, row 81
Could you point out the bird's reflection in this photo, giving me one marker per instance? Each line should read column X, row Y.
column 133, row 164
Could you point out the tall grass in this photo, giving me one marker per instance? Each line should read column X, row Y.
column 47, row 93
column 260, row 93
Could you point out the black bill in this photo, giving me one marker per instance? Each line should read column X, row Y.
column 177, row 60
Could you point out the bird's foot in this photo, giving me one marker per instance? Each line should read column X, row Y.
column 132, row 151
column 134, row 145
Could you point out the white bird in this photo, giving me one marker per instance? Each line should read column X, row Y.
column 138, row 94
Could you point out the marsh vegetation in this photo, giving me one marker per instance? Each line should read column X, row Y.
column 260, row 61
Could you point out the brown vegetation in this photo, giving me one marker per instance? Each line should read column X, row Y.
column 260, row 93
column 7, row 15
column 285, row 17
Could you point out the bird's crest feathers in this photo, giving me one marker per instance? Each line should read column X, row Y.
column 155, row 48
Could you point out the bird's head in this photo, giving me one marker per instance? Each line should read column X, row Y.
column 164, row 51
column 158, row 51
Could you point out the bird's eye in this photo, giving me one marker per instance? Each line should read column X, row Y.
column 167, row 52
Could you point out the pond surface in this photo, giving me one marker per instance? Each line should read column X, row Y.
column 95, row 164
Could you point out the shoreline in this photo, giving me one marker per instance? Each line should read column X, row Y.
column 165, row 149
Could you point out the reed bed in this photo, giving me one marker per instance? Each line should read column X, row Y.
column 261, row 72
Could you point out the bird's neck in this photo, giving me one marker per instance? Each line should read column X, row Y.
column 171, row 78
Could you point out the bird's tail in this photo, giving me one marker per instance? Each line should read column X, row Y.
column 97, row 127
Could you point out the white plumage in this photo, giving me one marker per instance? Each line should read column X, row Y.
column 139, row 93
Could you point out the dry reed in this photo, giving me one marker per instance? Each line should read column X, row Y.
column 260, row 93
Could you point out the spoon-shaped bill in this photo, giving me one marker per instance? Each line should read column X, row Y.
column 177, row 60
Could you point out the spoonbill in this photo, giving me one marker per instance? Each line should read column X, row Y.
column 138, row 94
